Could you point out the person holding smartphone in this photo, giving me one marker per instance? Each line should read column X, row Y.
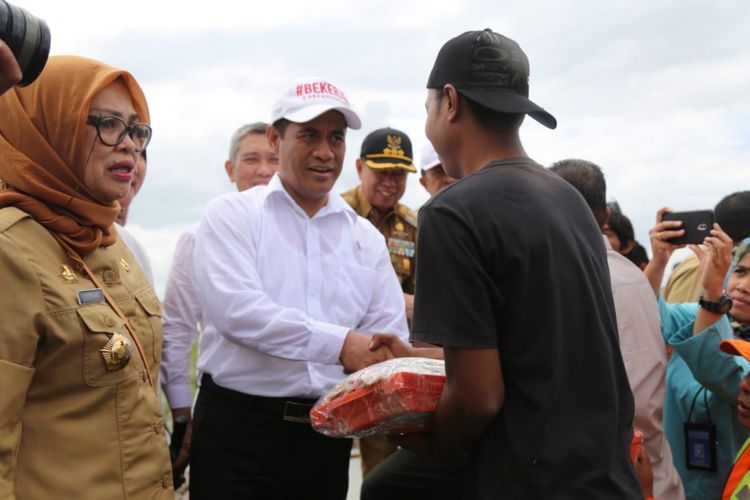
column 703, row 382
column 731, row 213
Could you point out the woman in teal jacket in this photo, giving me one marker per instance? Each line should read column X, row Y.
column 702, row 381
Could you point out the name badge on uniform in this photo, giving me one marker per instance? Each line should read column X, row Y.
column 403, row 248
column 91, row 296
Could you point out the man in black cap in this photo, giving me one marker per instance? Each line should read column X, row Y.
column 513, row 283
column 384, row 162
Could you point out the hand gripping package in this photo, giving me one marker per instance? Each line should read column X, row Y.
column 397, row 396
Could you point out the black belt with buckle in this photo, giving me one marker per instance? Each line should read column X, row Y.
column 289, row 409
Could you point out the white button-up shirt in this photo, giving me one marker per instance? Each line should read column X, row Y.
column 279, row 291
column 182, row 320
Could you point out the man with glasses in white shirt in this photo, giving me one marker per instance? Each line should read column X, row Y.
column 292, row 283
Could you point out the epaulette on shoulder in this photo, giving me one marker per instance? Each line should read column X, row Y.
column 406, row 213
column 10, row 216
column 350, row 197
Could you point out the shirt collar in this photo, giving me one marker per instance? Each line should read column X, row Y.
column 336, row 203
column 607, row 244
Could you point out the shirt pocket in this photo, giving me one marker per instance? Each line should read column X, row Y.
column 152, row 308
column 354, row 289
column 100, row 322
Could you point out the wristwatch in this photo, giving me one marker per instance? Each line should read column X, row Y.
column 721, row 306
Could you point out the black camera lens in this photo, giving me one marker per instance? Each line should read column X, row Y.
column 28, row 38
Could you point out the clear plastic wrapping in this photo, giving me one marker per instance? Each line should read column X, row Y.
column 397, row 396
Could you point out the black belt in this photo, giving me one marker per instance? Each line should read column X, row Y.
column 288, row 409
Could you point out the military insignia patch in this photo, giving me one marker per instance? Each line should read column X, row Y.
column 394, row 146
column 403, row 248
column 116, row 352
column 68, row 275
column 125, row 265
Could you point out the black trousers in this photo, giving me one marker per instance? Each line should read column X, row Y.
column 407, row 476
column 242, row 448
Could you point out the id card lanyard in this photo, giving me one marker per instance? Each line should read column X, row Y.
column 700, row 439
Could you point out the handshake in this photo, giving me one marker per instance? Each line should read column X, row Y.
column 361, row 350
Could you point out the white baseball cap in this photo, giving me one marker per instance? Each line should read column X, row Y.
column 309, row 98
column 429, row 158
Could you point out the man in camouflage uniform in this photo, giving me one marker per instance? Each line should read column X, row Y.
column 383, row 164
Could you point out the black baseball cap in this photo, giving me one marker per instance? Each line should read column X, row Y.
column 387, row 148
column 490, row 70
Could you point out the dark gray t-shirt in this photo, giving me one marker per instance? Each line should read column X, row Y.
column 511, row 258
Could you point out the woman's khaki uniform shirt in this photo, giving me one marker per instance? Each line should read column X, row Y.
column 69, row 427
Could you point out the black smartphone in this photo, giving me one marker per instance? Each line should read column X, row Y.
column 697, row 225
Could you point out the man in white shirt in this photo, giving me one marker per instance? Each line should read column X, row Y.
column 251, row 162
column 292, row 285
column 638, row 326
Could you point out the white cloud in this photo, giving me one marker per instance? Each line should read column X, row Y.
column 656, row 93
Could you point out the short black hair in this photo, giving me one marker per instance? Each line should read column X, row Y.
column 637, row 255
column 494, row 120
column 732, row 213
column 280, row 125
column 620, row 224
column 588, row 180
column 489, row 118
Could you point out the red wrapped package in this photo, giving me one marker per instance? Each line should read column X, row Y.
column 397, row 396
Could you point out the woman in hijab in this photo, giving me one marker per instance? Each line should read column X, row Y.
column 80, row 335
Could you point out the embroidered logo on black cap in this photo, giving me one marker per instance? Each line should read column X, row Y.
column 394, row 146
column 498, row 62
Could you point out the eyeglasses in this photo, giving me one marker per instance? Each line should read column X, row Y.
column 111, row 130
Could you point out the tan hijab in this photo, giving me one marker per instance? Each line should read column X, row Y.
column 43, row 155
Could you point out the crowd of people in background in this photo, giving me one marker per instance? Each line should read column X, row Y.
column 571, row 372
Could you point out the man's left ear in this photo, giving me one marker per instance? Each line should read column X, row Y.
column 359, row 167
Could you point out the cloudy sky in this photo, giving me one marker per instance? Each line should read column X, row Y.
column 656, row 93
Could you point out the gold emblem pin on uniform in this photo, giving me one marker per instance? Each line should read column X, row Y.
column 407, row 265
column 67, row 273
column 399, row 226
column 125, row 265
column 116, row 352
